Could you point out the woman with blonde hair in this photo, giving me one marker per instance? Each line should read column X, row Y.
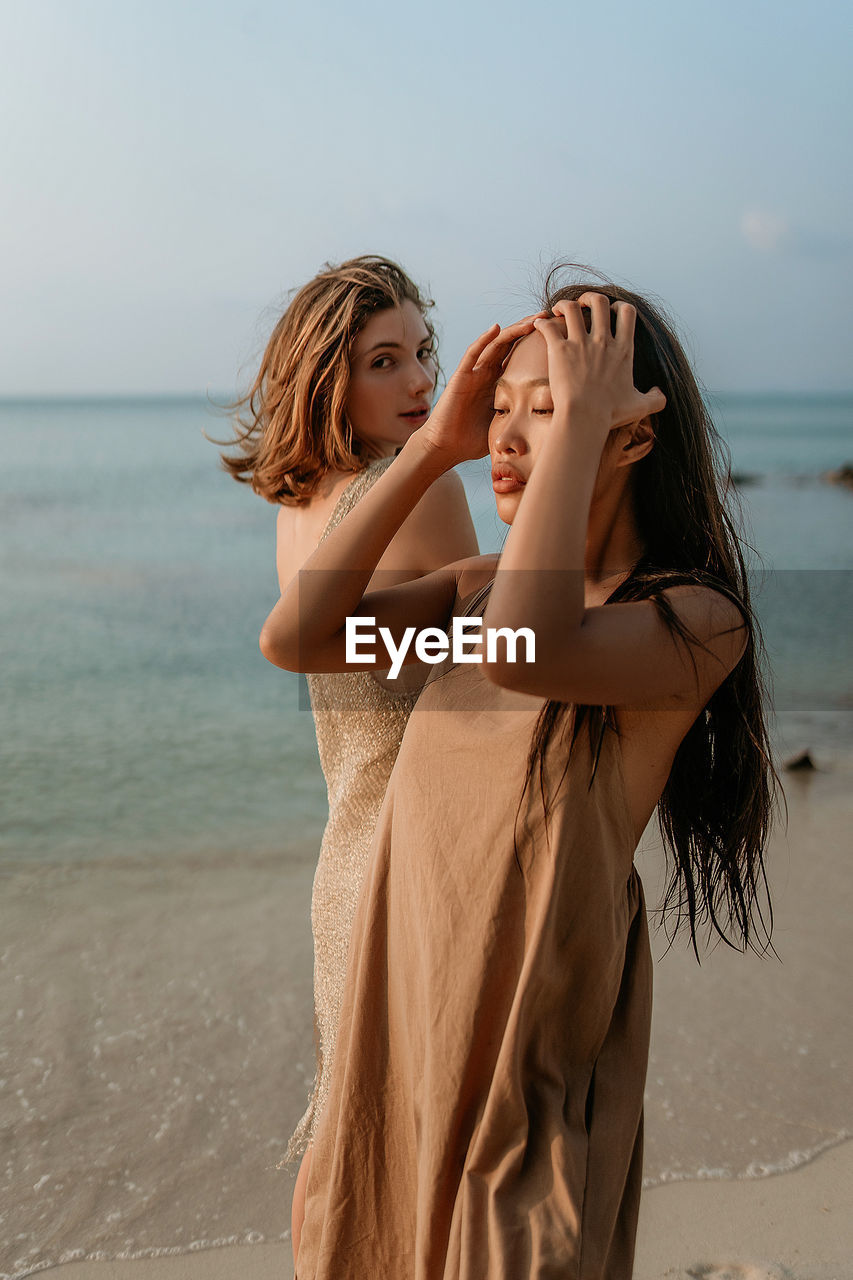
column 347, row 376
column 485, row 1113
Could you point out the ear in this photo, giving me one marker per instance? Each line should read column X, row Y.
column 635, row 441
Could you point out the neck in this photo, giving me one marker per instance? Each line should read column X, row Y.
column 613, row 541
column 377, row 449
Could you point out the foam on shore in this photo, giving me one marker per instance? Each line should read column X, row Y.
column 156, row 1049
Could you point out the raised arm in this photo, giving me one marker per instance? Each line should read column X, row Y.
column 615, row 654
column 306, row 630
column 438, row 532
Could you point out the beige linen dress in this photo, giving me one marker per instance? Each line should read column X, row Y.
column 360, row 724
column 484, row 1119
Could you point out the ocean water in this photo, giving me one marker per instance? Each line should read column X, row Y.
column 140, row 716
column 161, row 805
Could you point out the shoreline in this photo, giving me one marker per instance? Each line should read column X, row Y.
column 158, row 1062
column 786, row 1226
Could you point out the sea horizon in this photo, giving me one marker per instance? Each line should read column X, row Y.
column 165, row 395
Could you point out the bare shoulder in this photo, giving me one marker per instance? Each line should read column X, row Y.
column 444, row 498
column 446, row 486
column 438, row 531
column 716, row 621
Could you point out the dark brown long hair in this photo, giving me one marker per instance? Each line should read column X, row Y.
column 291, row 426
column 716, row 809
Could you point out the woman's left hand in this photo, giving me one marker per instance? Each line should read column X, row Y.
column 591, row 373
column 458, row 427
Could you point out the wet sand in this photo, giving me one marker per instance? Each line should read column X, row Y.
column 796, row 1226
column 155, row 1051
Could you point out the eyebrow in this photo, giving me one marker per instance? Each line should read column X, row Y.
column 525, row 382
column 426, row 341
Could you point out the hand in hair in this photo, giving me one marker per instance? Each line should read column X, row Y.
column 591, row 369
column 458, row 427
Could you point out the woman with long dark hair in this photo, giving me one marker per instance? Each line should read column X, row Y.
column 485, row 1108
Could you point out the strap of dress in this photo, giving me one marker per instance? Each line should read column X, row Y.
column 480, row 595
column 356, row 489
column 396, row 691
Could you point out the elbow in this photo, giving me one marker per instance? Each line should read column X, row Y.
column 527, row 678
column 267, row 646
column 273, row 650
column 510, row 658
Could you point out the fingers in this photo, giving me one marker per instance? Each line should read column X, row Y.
column 513, row 332
column 565, row 321
column 553, row 330
column 534, row 315
column 626, row 321
column 607, row 320
column 573, row 318
column 477, row 347
column 571, row 312
column 655, row 400
column 498, row 345
column 599, row 314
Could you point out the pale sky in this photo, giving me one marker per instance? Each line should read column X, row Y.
column 170, row 168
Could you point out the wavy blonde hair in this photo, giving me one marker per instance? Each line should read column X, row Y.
column 291, row 427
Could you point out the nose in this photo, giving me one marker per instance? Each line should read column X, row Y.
column 422, row 379
column 506, row 435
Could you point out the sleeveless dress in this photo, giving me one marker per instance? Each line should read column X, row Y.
column 484, row 1119
column 359, row 724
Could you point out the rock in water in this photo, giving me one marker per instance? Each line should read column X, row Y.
column 844, row 475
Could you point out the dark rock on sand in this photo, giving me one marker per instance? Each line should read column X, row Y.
column 800, row 762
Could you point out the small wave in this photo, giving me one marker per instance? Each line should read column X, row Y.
column 739, row 1271
column 757, row 1169
column 133, row 1255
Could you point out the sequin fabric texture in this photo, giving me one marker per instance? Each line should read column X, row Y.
column 360, row 725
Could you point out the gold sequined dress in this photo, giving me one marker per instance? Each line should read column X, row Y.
column 360, row 724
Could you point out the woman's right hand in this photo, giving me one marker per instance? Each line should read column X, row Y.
column 458, row 427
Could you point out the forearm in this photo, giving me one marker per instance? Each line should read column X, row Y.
column 332, row 582
column 540, row 578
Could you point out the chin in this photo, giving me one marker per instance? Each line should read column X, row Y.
column 505, row 510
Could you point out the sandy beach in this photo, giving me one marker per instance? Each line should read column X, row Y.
column 163, row 1052
column 796, row 1226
